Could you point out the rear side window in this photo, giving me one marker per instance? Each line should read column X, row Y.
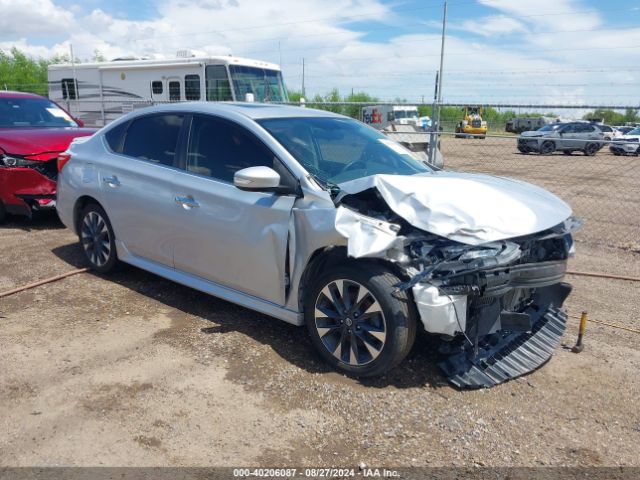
column 153, row 138
column 156, row 87
column 218, row 149
column 115, row 136
column 192, row 87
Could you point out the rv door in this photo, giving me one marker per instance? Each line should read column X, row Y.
column 158, row 91
column 174, row 89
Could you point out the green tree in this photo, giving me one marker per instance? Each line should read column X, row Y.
column 22, row 73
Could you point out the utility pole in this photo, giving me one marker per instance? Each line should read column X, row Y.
column 75, row 78
column 303, row 93
column 437, row 97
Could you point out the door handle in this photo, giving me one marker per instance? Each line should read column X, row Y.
column 113, row 182
column 187, row 202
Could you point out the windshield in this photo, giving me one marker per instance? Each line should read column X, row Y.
column 335, row 150
column 32, row 112
column 635, row 131
column 550, row 127
column 265, row 85
column 405, row 114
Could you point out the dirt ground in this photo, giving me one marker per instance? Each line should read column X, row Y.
column 133, row 370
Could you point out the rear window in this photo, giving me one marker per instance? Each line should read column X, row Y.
column 153, row 138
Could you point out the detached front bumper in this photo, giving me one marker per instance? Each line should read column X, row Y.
column 24, row 189
column 500, row 323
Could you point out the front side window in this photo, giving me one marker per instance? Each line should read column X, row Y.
column 336, row 150
column 218, row 149
column 174, row 91
column 33, row 112
column 153, row 138
column 192, row 87
column 217, row 84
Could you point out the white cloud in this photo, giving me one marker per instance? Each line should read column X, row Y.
column 38, row 16
column 337, row 56
column 549, row 14
column 493, row 25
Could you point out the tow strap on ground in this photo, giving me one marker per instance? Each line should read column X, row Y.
column 612, row 325
column 603, row 275
column 42, row 282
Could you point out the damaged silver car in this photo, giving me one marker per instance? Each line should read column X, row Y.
column 319, row 220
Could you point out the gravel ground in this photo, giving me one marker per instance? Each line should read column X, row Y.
column 133, row 370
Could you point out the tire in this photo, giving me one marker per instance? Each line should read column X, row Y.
column 547, row 147
column 385, row 331
column 3, row 212
column 590, row 149
column 97, row 239
column 523, row 149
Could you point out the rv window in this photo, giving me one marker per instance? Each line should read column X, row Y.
column 156, row 87
column 153, row 138
column 218, row 149
column 217, row 84
column 68, row 89
column 192, row 87
column 174, row 91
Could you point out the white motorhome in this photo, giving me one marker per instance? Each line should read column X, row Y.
column 103, row 91
column 381, row 116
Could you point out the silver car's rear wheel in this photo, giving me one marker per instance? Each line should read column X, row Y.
column 350, row 322
column 97, row 239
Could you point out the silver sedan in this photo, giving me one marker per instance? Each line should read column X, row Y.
column 317, row 219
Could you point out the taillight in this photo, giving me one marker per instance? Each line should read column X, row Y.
column 63, row 158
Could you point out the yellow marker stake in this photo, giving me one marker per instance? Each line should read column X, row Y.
column 581, row 331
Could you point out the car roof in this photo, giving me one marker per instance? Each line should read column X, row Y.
column 254, row 111
column 11, row 94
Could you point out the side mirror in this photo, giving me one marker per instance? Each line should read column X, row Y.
column 257, row 179
column 79, row 122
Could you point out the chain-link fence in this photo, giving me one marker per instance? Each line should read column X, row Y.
column 603, row 189
column 595, row 171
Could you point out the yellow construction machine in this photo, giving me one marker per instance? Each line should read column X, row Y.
column 472, row 124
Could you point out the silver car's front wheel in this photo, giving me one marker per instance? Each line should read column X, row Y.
column 355, row 322
column 350, row 322
column 97, row 239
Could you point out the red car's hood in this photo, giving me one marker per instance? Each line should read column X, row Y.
column 31, row 141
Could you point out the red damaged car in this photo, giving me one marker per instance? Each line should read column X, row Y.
column 33, row 132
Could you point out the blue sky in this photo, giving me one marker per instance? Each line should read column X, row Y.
column 497, row 51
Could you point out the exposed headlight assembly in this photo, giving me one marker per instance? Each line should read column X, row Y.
column 9, row 161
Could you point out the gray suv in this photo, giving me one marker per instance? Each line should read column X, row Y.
column 565, row 137
column 320, row 220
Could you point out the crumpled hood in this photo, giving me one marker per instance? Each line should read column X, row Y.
column 465, row 207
